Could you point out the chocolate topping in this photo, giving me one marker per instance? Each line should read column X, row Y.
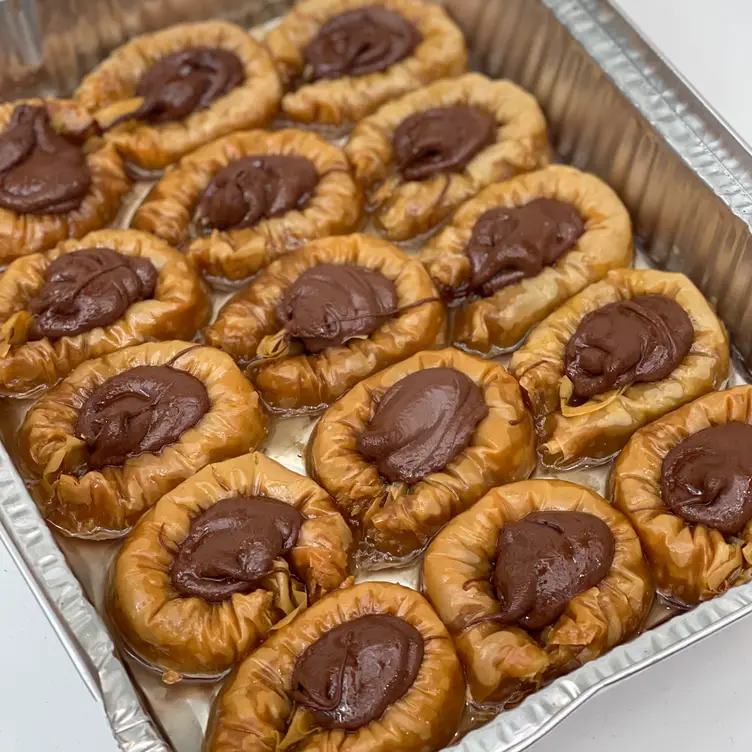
column 360, row 41
column 89, row 288
column 255, row 188
column 631, row 341
column 707, row 478
column 544, row 560
column 422, row 423
column 140, row 410
column 330, row 304
column 444, row 139
column 511, row 244
column 352, row 674
column 41, row 172
column 232, row 545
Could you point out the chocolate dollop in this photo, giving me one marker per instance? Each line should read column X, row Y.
column 544, row 560
column 140, row 410
column 444, row 139
column 330, row 304
column 255, row 188
column 707, row 478
column 627, row 342
column 89, row 288
column 422, row 423
column 232, row 545
column 352, row 674
column 360, row 41
column 41, row 172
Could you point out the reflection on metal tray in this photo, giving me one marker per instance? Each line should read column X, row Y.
column 615, row 108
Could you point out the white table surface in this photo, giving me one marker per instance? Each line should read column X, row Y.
column 695, row 700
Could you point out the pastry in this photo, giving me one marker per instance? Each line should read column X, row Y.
column 57, row 180
column 341, row 59
column 422, row 155
column 220, row 560
column 240, row 202
column 321, row 319
column 164, row 94
column 521, row 248
column 409, row 448
column 618, row 355
column 123, row 430
column 536, row 579
column 90, row 297
column 367, row 669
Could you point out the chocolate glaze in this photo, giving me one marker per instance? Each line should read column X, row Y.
column 140, row 410
column 707, row 478
column 544, row 560
column 232, row 545
column 41, row 172
column 255, row 188
column 444, row 139
column 330, row 304
column 89, row 288
column 352, row 674
column 422, row 423
column 360, row 41
column 631, row 341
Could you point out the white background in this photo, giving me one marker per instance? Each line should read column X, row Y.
column 695, row 700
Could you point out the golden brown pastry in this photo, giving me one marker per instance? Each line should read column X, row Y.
column 411, row 447
column 422, row 155
column 685, row 483
column 521, row 248
column 620, row 354
column 321, row 319
column 341, row 59
column 285, row 695
column 164, row 94
column 57, row 180
column 123, row 430
column 208, row 572
column 245, row 199
column 90, row 297
column 488, row 574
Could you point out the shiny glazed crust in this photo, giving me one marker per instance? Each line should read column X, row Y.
column 311, row 381
column 504, row 663
column 179, row 308
column 254, row 709
column 406, row 209
column 690, row 562
column 399, row 519
column 336, row 206
column 501, row 321
column 190, row 635
column 108, row 93
column 22, row 234
column 606, row 422
column 106, row 503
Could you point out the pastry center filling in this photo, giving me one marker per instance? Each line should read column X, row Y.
column 512, row 244
column 444, row 139
column 232, row 545
column 41, row 172
column 140, row 410
column 255, row 188
column 87, row 289
column 330, row 304
column 707, row 478
column 422, row 423
column 631, row 341
column 360, row 41
column 546, row 559
column 352, row 674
